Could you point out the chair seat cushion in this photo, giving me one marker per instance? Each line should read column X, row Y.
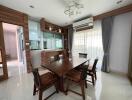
column 90, row 67
column 74, row 75
column 90, row 73
column 48, row 79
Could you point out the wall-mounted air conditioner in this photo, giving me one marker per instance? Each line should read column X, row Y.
column 83, row 24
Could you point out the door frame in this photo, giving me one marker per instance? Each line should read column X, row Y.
column 11, row 16
column 4, row 64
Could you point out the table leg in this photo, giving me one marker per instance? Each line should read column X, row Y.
column 61, row 85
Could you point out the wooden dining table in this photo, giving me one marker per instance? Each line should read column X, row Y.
column 63, row 66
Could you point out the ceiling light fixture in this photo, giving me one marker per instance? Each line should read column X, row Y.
column 50, row 28
column 73, row 7
column 31, row 6
column 59, row 30
column 120, row 1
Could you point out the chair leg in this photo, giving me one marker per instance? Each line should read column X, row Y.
column 95, row 76
column 83, row 91
column 34, row 90
column 67, row 87
column 40, row 94
column 86, row 83
column 56, row 87
column 93, row 79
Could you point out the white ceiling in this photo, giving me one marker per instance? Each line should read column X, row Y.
column 53, row 10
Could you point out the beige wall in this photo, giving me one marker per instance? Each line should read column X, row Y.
column 10, row 43
column 119, row 52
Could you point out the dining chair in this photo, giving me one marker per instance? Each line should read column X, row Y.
column 56, row 57
column 79, row 78
column 83, row 55
column 91, row 71
column 43, row 82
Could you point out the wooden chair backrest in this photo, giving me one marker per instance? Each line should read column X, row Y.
column 83, row 55
column 84, row 72
column 94, row 64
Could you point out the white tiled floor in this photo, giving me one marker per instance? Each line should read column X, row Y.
column 15, row 68
column 108, row 87
column 1, row 70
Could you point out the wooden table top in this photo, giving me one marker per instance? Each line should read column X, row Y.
column 62, row 66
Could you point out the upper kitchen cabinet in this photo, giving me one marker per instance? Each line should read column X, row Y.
column 34, row 35
column 49, row 27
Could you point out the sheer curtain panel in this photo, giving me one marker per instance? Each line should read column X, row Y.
column 90, row 42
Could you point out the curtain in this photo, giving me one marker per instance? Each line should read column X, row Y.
column 70, row 38
column 107, row 24
column 130, row 59
column 90, row 42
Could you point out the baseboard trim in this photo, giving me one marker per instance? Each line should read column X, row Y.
column 119, row 73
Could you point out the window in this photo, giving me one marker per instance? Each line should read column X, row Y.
column 43, row 40
column 48, row 40
column 52, row 41
column 34, row 35
column 89, row 41
column 34, row 45
column 58, row 41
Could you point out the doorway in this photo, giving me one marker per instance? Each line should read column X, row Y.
column 14, row 49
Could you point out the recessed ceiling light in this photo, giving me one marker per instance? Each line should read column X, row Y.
column 31, row 6
column 66, row 23
column 120, row 1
